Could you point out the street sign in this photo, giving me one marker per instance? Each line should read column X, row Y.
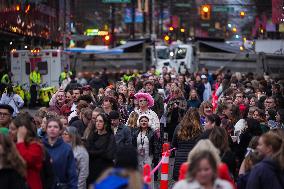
column 184, row 5
column 223, row 9
column 116, row 1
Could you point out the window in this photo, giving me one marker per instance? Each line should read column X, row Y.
column 163, row 54
column 181, row 53
column 42, row 67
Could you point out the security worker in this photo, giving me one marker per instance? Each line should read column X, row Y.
column 63, row 75
column 35, row 80
column 5, row 81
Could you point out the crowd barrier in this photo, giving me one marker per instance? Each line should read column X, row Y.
column 164, row 164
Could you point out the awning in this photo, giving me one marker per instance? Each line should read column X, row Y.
column 222, row 46
column 92, row 51
column 129, row 44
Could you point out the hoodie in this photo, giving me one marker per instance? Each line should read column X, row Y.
column 63, row 163
column 266, row 174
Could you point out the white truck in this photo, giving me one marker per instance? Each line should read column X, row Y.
column 50, row 64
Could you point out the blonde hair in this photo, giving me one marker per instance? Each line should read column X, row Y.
column 204, row 145
column 203, row 105
column 132, row 120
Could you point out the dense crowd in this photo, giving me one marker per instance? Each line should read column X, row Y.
column 227, row 130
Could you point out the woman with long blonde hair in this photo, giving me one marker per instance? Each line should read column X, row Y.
column 185, row 137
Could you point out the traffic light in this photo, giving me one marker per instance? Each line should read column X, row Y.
column 18, row 8
column 167, row 38
column 106, row 39
column 205, row 12
column 242, row 14
column 171, row 28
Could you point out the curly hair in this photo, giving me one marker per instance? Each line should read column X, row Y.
column 190, row 125
column 11, row 158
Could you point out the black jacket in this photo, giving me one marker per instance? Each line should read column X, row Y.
column 101, row 149
column 266, row 175
column 183, row 147
column 154, row 142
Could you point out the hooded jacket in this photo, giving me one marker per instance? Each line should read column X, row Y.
column 63, row 162
column 266, row 174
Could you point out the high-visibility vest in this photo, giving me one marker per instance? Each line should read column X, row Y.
column 63, row 75
column 35, row 77
column 5, row 79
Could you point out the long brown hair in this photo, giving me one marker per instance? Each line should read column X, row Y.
column 190, row 125
column 219, row 138
column 26, row 120
column 11, row 158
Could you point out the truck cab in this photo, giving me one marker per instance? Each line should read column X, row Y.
column 182, row 57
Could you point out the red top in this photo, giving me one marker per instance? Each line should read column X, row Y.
column 33, row 156
column 223, row 173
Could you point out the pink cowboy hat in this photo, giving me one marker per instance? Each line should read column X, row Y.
column 147, row 96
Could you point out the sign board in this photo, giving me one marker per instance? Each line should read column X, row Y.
column 183, row 5
column 223, row 9
column 116, row 1
column 128, row 16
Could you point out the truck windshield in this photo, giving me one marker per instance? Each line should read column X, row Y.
column 163, row 54
column 181, row 53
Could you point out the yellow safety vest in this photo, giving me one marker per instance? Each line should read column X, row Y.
column 35, row 77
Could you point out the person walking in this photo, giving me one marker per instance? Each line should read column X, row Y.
column 269, row 173
column 12, row 169
column 203, row 173
column 72, row 137
column 35, row 80
column 12, row 99
column 185, row 137
column 30, row 149
column 63, row 161
column 146, row 142
column 101, row 147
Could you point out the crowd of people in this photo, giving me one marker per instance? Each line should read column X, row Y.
column 227, row 130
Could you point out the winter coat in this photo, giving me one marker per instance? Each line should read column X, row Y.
column 10, row 179
column 79, row 125
column 174, row 114
column 101, row 149
column 15, row 101
column 193, row 103
column 154, row 142
column 82, row 163
column 218, row 184
column 123, row 136
column 33, row 155
column 63, row 163
column 266, row 175
column 183, row 147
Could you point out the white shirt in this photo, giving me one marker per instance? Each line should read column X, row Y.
column 154, row 121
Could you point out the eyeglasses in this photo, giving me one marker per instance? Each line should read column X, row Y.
column 65, row 133
column 4, row 114
column 239, row 96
